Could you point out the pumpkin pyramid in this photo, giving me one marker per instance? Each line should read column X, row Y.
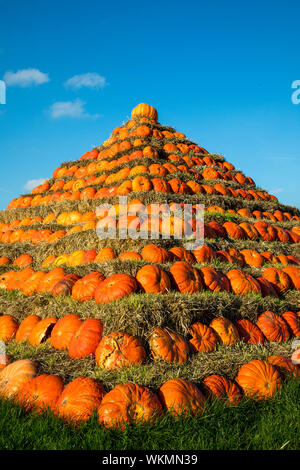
column 150, row 299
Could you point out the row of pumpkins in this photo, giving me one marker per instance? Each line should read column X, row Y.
column 137, row 207
column 169, row 226
column 151, row 279
column 138, row 184
column 131, row 403
column 80, row 338
column 203, row 254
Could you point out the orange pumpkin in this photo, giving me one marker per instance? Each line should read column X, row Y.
column 181, row 397
column 26, row 326
column 115, row 287
column 118, row 350
column 79, row 399
column 226, row 330
column 169, row 346
column 86, row 338
column 186, row 278
column 152, row 279
column 258, row 379
column 41, row 393
column 127, row 404
column 64, row 330
column 220, row 387
column 204, row 338
column 15, row 375
column 84, row 289
column 8, row 327
column 41, row 331
column 249, row 332
column 273, row 326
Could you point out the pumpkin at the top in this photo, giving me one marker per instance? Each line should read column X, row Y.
column 144, row 109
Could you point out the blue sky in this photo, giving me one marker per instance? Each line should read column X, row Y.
column 221, row 72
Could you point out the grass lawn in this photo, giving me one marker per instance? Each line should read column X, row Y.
column 270, row 425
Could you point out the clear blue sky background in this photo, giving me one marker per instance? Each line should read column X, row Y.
column 221, row 72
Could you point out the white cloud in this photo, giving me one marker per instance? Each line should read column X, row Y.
column 74, row 109
column 31, row 184
column 276, row 191
column 90, row 80
column 25, row 78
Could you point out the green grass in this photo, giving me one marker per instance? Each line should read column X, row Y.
column 252, row 425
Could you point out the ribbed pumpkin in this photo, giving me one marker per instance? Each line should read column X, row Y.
column 23, row 261
column 259, row 379
column 284, row 365
column 115, row 287
column 41, row 393
column 84, row 289
column 79, row 399
column 118, row 350
column 129, row 256
column 127, row 404
column 181, row 397
column 154, row 254
column 294, row 274
column 180, row 254
column 86, row 339
column 221, row 387
column 26, row 327
column 293, row 322
column 31, row 285
column 204, row 338
column 52, row 277
column 186, row 278
column 169, row 346
column 225, row 329
column 8, row 327
column 204, row 254
column 249, row 332
column 144, row 109
column 214, row 280
column 15, row 375
column 64, row 330
column 252, row 258
column 42, row 331
column 279, row 279
column 242, row 283
column 273, row 326
column 153, row 279
column 266, row 287
column 65, row 285
column 105, row 254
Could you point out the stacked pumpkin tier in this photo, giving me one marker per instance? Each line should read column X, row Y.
column 84, row 306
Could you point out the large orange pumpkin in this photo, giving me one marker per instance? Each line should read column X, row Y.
column 8, row 327
column 41, row 393
column 204, row 338
column 152, row 279
column 15, row 375
column 86, row 338
column 186, row 278
column 221, row 387
column 273, row 326
column 64, row 330
column 181, row 396
column 127, row 404
column 118, row 350
column 115, row 287
column 225, row 329
column 259, row 379
column 26, row 326
column 79, row 399
column 169, row 346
